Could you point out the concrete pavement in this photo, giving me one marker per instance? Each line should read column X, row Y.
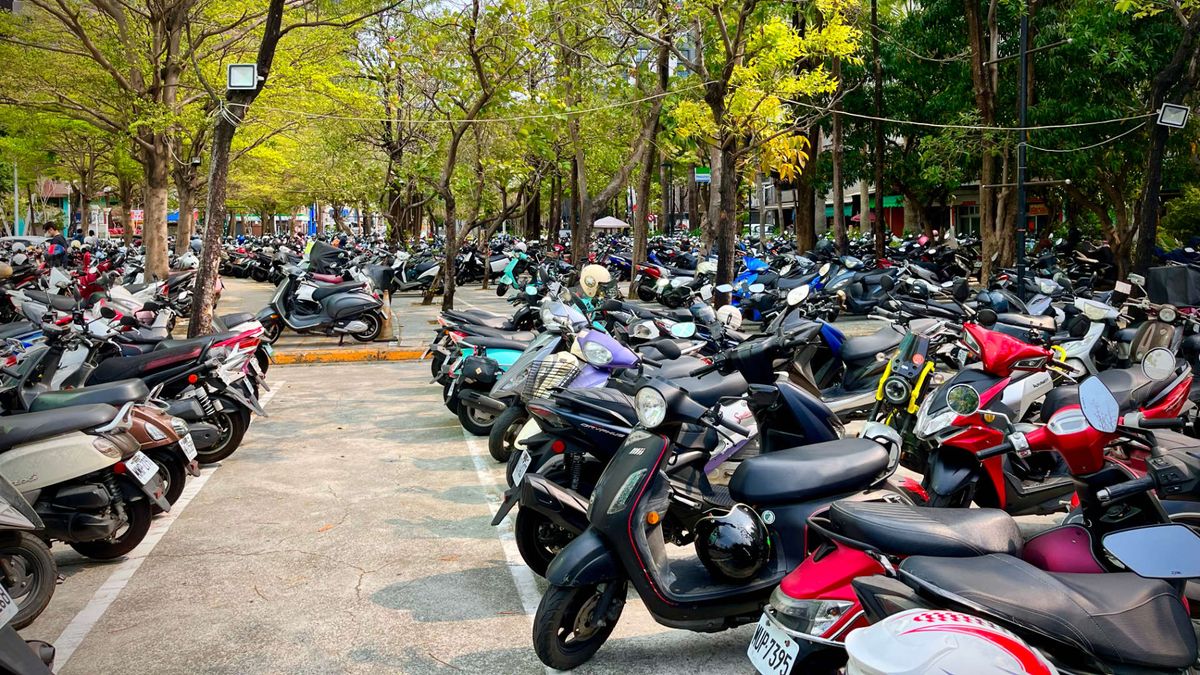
column 349, row 534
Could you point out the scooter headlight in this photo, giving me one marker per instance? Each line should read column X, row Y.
column 930, row 424
column 812, row 617
column 651, row 407
column 896, row 390
column 597, row 354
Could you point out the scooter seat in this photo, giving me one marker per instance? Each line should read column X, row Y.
column 708, row 389
column 125, row 367
column 230, row 320
column 19, row 429
column 134, row 288
column 60, row 302
column 787, row 284
column 488, row 321
column 16, row 328
column 1129, row 386
column 496, row 342
column 327, row 278
column 473, row 331
column 202, row 341
column 1120, row 617
column 808, row 472
column 903, row 529
column 326, row 291
column 865, row 347
column 113, row 393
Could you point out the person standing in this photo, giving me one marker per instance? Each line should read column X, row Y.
column 56, row 246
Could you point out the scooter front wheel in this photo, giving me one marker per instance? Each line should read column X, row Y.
column 29, row 575
column 566, row 629
column 272, row 330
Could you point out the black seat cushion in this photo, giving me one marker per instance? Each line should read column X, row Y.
column 808, row 472
column 113, row 393
column 202, row 341
column 35, row 426
column 16, row 328
column 865, row 347
column 1129, row 386
column 333, row 289
column 230, row 320
column 125, row 367
column 1121, row 618
column 479, row 318
column 496, row 342
column 708, row 389
column 1039, row 322
column 59, row 302
column 903, row 529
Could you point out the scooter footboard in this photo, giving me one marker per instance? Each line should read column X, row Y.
column 586, row 561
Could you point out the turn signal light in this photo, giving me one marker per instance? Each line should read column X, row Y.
column 652, row 518
column 193, row 378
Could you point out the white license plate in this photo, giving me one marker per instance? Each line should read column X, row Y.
column 8, row 607
column 771, row 651
column 188, row 445
column 142, row 467
column 521, row 467
column 229, row 377
column 529, row 430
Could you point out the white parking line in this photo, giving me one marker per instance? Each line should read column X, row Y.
column 525, row 580
column 83, row 623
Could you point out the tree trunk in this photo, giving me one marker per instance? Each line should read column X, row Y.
column 154, row 225
column 693, row 200
column 448, row 276
column 726, row 197
column 715, row 196
column 641, row 218
column 214, row 214
column 806, row 216
column 183, row 230
column 877, row 225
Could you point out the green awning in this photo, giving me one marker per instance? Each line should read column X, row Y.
column 890, row 202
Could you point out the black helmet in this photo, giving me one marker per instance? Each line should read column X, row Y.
column 733, row 545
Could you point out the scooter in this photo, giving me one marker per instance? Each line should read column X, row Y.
column 29, row 576
column 633, row 505
column 333, row 309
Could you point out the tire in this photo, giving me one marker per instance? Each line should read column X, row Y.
column 233, row 424
column 29, row 574
column 374, row 323
column 140, row 514
column 475, row 421
column 501, row 290
column 436, row 361
column 504, row 431
column 559, row 639
column 645, row 294
column 272, row 330
column 450, row 401
column 260, row 275
column 538, row 539
column 174, row 475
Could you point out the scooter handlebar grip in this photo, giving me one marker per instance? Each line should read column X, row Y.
column 704, row 370
column 1165, row 423
column 995, row 450
column 1127, row 489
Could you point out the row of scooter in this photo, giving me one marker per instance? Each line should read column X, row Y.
column 666, row 452
column 105, row 416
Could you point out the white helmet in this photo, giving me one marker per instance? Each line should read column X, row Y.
column 520, row 246
column 930, row 641
column 592, row 277
column 730, row 316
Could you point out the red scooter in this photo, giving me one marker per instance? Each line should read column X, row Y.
column 818, row 604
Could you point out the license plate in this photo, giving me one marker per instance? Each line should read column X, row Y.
column 771, row 651
column 8, row 607
column 188, row 445
column 142, row 467
column 521, row 467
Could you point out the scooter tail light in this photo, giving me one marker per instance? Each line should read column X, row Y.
column 457, row 336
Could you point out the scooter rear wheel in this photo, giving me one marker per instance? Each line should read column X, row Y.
column 140, row 514
column 566, row 634
column 173, row 474
column 374, row 328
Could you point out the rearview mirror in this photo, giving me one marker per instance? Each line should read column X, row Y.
column 129, row 321
column 108, row 313
column 963, row 400
column 987, row 317
column 1137, row 280
column 1159, row 363
column 886, row 282
column 706, row 292
column 725, row 288
column 1099, row 407
column 757, row 288
column 1142, row 551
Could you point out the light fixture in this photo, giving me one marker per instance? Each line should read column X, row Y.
column 1174, row 116
column 241, row 77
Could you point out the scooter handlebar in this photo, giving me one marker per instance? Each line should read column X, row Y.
column 1125, row 490
column 706, row 369
column 994, row 451
column 1165, row 423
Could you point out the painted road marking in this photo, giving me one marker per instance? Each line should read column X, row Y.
column 523, row 577
column 87, row 618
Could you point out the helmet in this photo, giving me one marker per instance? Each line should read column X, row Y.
column 730, row 316
column 927, row 641
column 520, row 246
column 733, row 545
column 6, row 270
column 592, row 277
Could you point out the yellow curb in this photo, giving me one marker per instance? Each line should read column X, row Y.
column 351, row 355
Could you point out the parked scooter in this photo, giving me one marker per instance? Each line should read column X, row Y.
column 332, row 309
column 28, row 574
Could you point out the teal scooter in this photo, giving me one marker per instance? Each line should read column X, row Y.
column 509, row 276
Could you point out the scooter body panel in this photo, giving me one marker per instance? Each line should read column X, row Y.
column 52, row 461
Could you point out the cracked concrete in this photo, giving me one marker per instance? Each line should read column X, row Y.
column 350, row 534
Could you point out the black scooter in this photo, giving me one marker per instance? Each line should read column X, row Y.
column 333, row 309
column 625, row 543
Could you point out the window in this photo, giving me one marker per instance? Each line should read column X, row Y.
column 967, row 224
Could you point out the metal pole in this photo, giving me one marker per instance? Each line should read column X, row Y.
column 1023, row 103
column 16, row 204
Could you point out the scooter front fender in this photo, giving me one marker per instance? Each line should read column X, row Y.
column 951, row 472
column 586, row 561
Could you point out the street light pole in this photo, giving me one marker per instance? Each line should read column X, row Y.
column 1023, row 103
column 16, row 204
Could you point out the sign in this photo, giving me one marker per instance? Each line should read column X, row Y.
column 703, row 174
